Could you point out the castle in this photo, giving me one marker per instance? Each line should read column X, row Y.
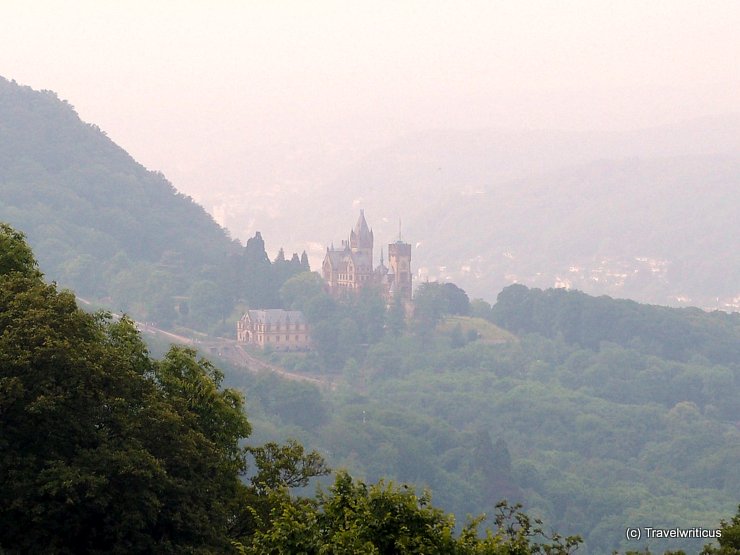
column 350, row 268
column 346, row 271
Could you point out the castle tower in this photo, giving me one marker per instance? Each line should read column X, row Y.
column 361, row 245
column 399, row 265
column 361, row 238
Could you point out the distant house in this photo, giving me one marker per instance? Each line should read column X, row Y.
column 282, row 330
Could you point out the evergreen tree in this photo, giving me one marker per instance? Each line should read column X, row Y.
column 305, row 267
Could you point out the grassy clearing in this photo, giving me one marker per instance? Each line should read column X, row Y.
column 488, row 332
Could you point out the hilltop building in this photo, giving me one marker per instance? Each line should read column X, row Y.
column 350, row 268
column 283, row 330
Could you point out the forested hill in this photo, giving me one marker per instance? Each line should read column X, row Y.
column 62, row 178
column 671, row 333
column 107, row 227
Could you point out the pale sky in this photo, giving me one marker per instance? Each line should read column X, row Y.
column 179, row 83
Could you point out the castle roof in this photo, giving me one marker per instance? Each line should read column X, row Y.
column 336, row 256
column 361, row 228
column 274, row 316
column 381, row 269
column 340, row 259
column 361, row 236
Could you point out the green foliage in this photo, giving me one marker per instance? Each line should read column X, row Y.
column 597, row 438
column 354, row 518
column 281, row 466
column 105, row 226
column 207, row 303
column 480, row 309
column 729, row 543
column 432, row 301
column 670, row 333
column 15, row 254
column 340, row 328
column 292, row 402
column 297, row 291
column 104, row 450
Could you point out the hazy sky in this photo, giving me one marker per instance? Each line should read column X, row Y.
column 175, row 83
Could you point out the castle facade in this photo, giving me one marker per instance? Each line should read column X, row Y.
column 282, row 330
column 350, row 268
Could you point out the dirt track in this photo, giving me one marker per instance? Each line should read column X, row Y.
column 231, row 351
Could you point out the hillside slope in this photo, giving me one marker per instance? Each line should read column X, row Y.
column 113, row 231
column 87, row 207
column 598, row 414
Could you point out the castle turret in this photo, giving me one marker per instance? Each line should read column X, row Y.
column 361, row 245
column 361, row 238
column 399, row 262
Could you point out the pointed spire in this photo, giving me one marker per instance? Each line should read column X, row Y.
column 361, row 228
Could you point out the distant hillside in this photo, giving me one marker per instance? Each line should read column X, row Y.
column 647, row 214
column 654, row 230
column 105, row 226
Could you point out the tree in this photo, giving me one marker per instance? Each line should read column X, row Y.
column 297, row 291
column 15, row 254
column 102, row 448
column 354, row 518
column 457, row 299
column 208, row 302
column 729, row 542
column 255, row 253
column 368, row 310
column 480, row 309
column 395, row 318
column 285, row 466
column 305, row 266
column 430, row 304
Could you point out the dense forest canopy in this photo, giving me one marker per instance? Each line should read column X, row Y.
column 596, row 413
column 671, row 333
column 106, row 450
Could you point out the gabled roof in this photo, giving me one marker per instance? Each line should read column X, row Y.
column 335, row 257
column 275, row 316
column 340, row 259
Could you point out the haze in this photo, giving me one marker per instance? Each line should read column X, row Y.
column 190, row 89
